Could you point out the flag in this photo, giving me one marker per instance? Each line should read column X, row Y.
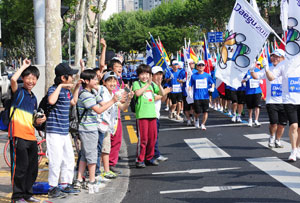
column 220, row 86
column 149, row 55
column 189, row 73
column 244, row 38
column 290, row 20
column 158, row 59
column 163, row 51
column 193, row 55
column 207, row 57
column 254, row 5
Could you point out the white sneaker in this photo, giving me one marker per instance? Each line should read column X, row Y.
column 189, row 123
column 178, row 118
column 197, row 123
column 221, row 109
column 238, row 119
column 171, row 115
column 162, row 158
column 278, row 144
column 167, row 108
column 271, row 141
column 293, row 156
column 91, row 188
column 233, row 119
column 256, row 123
column 250, row 123
column 100, row 185
column 229, row 113
column 203, row 127
column 215, row 108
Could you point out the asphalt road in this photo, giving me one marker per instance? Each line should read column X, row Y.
column 225, row 163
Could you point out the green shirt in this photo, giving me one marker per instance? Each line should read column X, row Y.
column 145, row 105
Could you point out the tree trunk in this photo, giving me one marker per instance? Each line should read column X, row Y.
column 80, row 13
column 52, row 39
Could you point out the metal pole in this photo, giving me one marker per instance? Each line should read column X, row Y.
column 39, row 19
column 69, row 42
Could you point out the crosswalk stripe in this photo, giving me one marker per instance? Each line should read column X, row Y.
column 192, row 171
column 287, row 147
column 257, row 136
column 205, row 149
column 282, row 171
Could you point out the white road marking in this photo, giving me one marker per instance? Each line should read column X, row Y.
column 257, row 136
column 286, row 147
column 282, row 171
column 195, row 171
column 208, row 189
column 205, row 149
column 208, row 126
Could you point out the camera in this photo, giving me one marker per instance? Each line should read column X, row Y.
column 38, row 114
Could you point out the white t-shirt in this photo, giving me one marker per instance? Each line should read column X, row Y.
column 274, row 88
column 157, row 108
column 290, row 72
column 111, row 114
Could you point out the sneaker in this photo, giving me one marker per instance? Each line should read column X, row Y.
column 93, row 187
column 167, row 108
column 197, row 123
column 189, row 123
column 293, row 155
column 233, row 119
column 238, row 119
column 257, row 124
column 32, row 199
column 109, row 175
column 55, row 192
column 70, row 190
column 152, row 162
column 229, row 113
column 115, row 170
column 100, row 185
column 278, row 144
column 171, row 115
column 162, row 158
column 77, row 184
column 250, row 123
column 178, row 118
column 203, row 127
column 221, row 109
column 20, row 201
column 271, row 141
column 101, row 178
column 140, row 165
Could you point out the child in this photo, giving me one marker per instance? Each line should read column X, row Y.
column 109, row 118
column 25, row 166
column 144, row 91
column 59, row 145
column 88, row 109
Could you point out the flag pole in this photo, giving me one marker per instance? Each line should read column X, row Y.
column 147, row 43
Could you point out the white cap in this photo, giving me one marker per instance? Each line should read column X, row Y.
column 278, row 52
column 175, row 62
column 201, row 62
column 190, row 61
column 156, row 69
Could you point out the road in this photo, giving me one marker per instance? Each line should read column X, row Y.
column 226, row 163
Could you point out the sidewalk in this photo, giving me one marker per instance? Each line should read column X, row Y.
column 106, row 194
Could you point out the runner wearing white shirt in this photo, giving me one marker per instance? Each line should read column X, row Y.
column 290, row 71
column 275, row 108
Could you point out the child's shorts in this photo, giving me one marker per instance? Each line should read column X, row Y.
column 106, row 143
column 89, row 142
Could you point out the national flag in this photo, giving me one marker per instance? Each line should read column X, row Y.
column 193, row 55
column 149, row 55
column 163, row 50
column 207, row 57
column 158, row 59
column 220, row 86
column 243, row 43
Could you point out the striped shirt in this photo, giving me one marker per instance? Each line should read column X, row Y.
column 22, row 120
column 58, row 118
column 87, row 100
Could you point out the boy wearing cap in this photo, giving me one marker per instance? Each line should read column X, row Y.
column 289, row 69
column 176, row 94
column 201, row 82
column 59, row 145
column 275, row 108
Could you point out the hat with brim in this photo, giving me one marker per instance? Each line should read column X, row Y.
column 109, row 74
column 278, row 52
column 175, row 63
column 65, row 69
column 201, row 62
column 157, row 69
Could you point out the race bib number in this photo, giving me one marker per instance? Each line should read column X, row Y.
column 254, row 83
column 201, row 84
column 276, row 90
column 176, row 88
column 294, row 84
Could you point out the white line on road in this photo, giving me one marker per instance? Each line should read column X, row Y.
column 282, row 171
column 196, row 171
column 257, row 136
column 286, row 149
column 208, row 189
column 205, row 149
column 208, row 126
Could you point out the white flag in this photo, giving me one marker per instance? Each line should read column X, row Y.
column 290, row 19
column 254, row 5
column 244, row 38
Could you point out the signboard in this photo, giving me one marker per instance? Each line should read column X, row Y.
column 214, row 37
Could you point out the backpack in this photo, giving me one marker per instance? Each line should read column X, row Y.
column 134, row 101
column 46, row 107
column 74, row 117
column 5, row 116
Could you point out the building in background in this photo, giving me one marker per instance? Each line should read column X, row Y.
column 146, row 4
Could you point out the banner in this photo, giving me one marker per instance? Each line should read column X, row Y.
column 290, row 19
column 149, row 55
column 244, row 38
